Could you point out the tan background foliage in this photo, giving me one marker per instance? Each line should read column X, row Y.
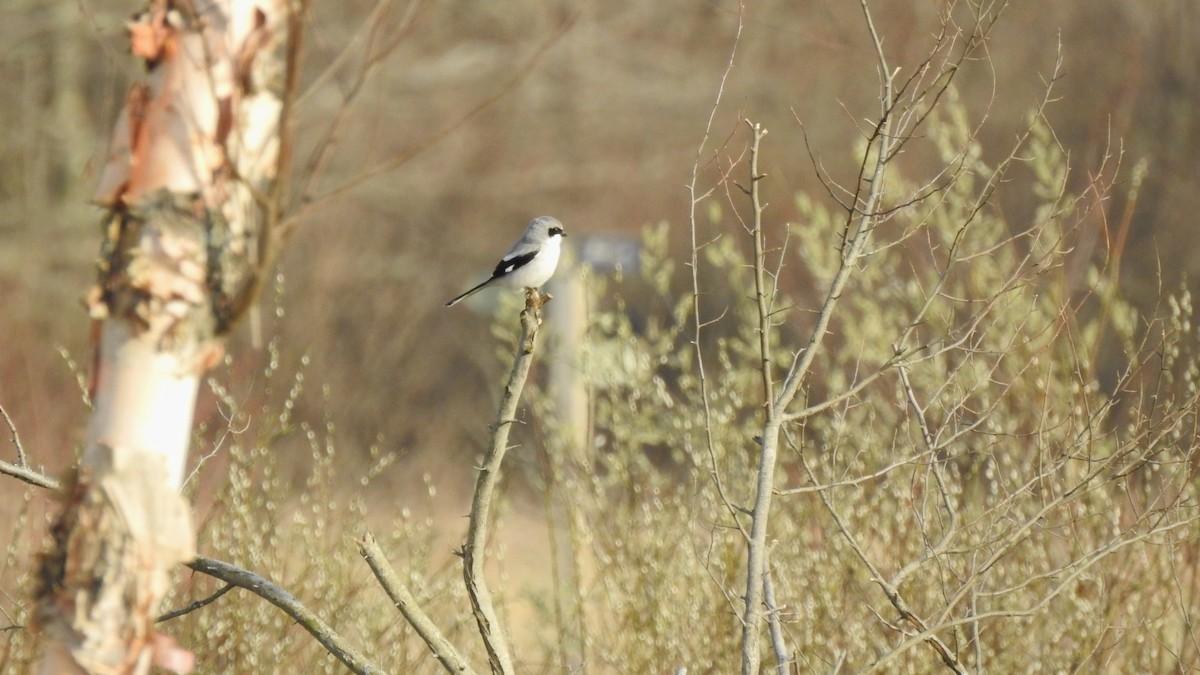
column 593, row 114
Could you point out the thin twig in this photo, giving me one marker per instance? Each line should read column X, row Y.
column 195, row 605
column 927, row 436
column 892, row 592
column 761, row 295
column 220, row 441
column 698, row 324
column 22, row 461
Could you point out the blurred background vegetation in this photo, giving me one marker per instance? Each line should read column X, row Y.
column 481, row 117
column 601, row 131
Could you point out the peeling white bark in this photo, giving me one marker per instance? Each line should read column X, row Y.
column 144, row 400
column 195, row 148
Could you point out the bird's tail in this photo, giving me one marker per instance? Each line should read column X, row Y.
column 468, row 293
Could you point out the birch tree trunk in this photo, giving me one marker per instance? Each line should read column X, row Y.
column 188, row 186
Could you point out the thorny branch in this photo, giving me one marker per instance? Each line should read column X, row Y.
column 21, row 470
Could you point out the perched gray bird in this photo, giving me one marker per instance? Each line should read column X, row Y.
column 531, row 261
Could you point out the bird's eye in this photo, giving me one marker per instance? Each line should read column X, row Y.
column 555, row 230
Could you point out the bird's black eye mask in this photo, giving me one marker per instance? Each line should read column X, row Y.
column 557, row 230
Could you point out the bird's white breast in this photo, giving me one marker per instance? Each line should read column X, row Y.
column 539, row 270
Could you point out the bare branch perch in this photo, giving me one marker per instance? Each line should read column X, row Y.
column 499, row 656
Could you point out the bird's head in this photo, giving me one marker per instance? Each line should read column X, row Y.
column 547, row 227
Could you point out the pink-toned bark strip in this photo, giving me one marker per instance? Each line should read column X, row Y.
column 191, row 159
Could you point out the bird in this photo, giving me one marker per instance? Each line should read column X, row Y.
column 531, row 260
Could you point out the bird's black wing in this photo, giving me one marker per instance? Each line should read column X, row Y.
column 516, row 262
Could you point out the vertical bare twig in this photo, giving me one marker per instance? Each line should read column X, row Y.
column 22, row 461
column 775, row 625
column 757, row 582
column 698, row 324
column 761, row 296
column 859, row 225
column 21, row 469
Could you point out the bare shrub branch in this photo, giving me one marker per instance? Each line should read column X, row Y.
column 869, row 204
column 404, row 601
column 267, row 590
